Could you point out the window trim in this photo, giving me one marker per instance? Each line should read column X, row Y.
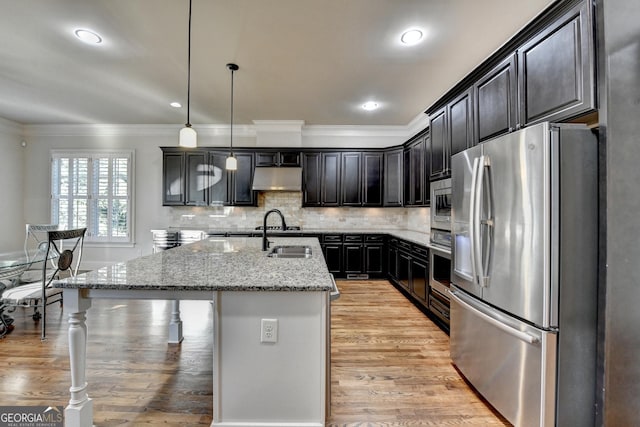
column 93, row 154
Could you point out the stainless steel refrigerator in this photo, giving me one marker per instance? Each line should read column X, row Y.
column 524, row 273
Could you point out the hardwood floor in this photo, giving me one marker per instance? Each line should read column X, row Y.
column 390, row 364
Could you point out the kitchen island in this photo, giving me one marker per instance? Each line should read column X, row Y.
column 281, row 383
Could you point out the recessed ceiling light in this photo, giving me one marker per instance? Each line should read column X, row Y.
column 411, row 37
column 370, row 105
column 88, row 36
column 176, row 105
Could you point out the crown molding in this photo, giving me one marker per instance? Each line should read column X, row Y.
column 206, row 130
column 11, row 127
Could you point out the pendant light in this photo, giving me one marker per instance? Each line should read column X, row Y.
column 188, row 136
column 232, row 162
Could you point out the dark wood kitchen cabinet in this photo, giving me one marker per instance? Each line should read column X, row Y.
column 321, row 178
column 330, row 184
column 361, row 180
column 278, row 158
column 419, row 274
column 557, row 72
column 372, row 178
column 416, row 171
column 460, row 115
column 439, row 159
column 197, row 178
column 173, row 179
column 311, row 179
column 375, row 258
column 351, row 188
column 353, row 253
column 332, row 251
column 393, row 177
column 202, row 179
column 496, row 98
column 241, row 181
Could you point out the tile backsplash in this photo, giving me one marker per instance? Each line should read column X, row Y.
column 290, row 204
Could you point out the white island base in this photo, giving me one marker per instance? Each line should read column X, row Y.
column 254, row 384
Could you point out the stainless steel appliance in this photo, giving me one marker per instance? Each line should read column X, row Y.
column 439, row 280
column 524, row 273
column 441, row 204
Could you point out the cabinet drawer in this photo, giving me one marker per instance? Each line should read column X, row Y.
column 404, row 245
column 421, row 251
column 353, row 238
column 374, row 238
column 332, row 238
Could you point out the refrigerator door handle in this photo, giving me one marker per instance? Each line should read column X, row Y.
column 523, row 336
column 476, row 208
column 472, row 231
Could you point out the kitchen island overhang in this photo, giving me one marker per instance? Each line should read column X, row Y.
column 254, row 383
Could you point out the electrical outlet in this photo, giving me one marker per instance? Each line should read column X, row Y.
column 269, row 330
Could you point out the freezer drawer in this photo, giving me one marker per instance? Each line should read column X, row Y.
column 509, row 362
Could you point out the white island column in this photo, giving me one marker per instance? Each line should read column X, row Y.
column 79, row 412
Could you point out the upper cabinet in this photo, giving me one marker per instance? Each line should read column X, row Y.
column 557, row 69
column 199, row 178
column 496, row 98
column 372, row 178
column 544, row 73
column 173, row 179
column 393, row 177
column 321, row 178
column 416, row 170
column 278, row 158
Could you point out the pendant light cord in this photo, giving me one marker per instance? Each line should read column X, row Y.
column 188, row 124
column 232, row 71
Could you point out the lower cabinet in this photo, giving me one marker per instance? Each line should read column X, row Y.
column 409, row 268
column 355, row 256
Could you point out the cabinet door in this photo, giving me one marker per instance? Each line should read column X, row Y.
column 311, row 173
column 426, row 174
column 266, row 159
column 333, row 258
column 420, row 279
column 197, row 178
column 404, row 266
column 353, row 258
column 392, row 261
column 460, row 125
column 496, row 96
column 556, row 69
column 242, row 180
column 173, row 179
column 393, row 177
column 289, row 158
column 374, row 260
column 438, row 131
column 218, row 178
column 372, row 179
column 417, row 172
column 351, row 179
column 407, row 187
column 330, row 179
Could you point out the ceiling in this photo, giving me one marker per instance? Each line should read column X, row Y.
column 311, row 60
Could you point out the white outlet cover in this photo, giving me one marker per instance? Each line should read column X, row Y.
column 269, row 330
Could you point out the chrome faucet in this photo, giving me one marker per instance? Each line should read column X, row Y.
column 265, row 242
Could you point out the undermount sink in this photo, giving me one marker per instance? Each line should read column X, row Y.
column 290, row 252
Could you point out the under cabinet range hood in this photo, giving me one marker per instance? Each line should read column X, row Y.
column 277, row 179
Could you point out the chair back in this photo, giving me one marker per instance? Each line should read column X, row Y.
column 64, row 258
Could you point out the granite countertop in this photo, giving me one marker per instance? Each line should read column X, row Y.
column 216, row 264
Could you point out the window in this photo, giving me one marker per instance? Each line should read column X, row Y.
column 94, row 189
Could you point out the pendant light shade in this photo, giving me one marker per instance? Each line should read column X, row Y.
column 231, row 163
column 188, row 136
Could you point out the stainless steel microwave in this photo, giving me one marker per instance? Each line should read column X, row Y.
column 441, row 204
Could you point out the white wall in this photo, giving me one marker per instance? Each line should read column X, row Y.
column 11, row 186
column 148, row 211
